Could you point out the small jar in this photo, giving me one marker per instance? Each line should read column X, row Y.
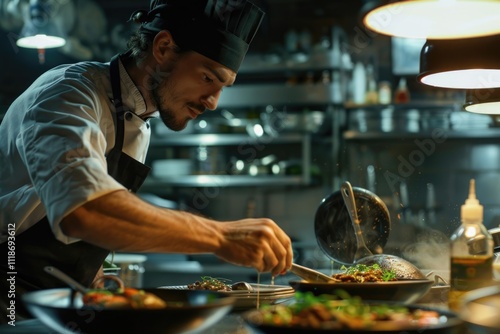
column 131, row 268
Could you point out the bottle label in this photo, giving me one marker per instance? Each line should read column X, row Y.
column 471, row 273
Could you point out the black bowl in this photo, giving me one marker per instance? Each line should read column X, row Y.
column 190, row 310
column 403, row 291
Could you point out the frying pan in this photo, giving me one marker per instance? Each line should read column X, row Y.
column 402, row 268
column 186, row 310
column 358, row 232
column 335, row 234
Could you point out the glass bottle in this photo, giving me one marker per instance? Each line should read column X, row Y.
column 359, row 83
column 372, row 93
column 402, row 94
column 471, row 252
column 384, row 92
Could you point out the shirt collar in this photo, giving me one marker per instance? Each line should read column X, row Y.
column 131, row 96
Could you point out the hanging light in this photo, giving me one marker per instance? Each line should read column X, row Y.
column 435, row 19
column 40, row 31
column 471, row 63
column 483, row 101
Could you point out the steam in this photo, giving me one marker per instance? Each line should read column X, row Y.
column 431, row 250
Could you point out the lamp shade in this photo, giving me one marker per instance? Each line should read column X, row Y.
column 435, row 19
column 483, row 101
column 36, row 38
column 41, row 30
column 471, row 63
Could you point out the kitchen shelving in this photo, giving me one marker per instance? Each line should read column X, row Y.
column 223, row 178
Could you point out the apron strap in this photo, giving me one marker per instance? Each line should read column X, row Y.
column 118, row 116
column 126, row 170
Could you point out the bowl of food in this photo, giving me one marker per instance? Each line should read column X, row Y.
column 371, row 283
column 329, row 313
column 127, row 310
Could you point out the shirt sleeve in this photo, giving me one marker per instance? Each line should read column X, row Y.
column 64, row 146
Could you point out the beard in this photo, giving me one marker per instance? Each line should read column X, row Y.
column 167, row 115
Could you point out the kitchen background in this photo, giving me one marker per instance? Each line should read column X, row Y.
column 319, row 100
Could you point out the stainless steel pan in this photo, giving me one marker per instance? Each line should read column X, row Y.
column 352, row 226
column 335, row 234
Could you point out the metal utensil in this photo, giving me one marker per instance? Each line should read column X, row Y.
column 66, row 279
column 348, row 195
column 242, row 286
column 310, row 275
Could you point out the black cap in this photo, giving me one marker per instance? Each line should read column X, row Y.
column 221, row 30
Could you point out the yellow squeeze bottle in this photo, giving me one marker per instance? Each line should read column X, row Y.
column 471, row 252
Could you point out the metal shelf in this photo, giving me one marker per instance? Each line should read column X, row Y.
column 414, row 104
column 227, row 180
column 486, row 133
column 262, row 94
column 315, row 61
column 217, row 139
column 221, row 180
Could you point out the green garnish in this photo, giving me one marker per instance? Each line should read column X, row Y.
column 211, row 283
column 109, row 265
column 385, row 274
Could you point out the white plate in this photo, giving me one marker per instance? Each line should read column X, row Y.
column 262, row 294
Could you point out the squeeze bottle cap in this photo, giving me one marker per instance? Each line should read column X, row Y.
column 472, row 211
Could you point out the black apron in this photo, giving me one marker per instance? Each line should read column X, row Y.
column 37, row 247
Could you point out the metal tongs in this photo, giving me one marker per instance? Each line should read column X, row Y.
column 311, row 275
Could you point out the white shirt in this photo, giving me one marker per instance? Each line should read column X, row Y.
column 54, row 139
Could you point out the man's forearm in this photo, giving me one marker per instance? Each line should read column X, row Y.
column 123, row 222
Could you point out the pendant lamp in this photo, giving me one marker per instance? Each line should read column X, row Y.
column 36, row 38
column 40, row 30
column 435, row 19
column 483, row 101
column 471, row 63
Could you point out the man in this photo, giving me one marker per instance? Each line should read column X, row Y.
column 73, row 145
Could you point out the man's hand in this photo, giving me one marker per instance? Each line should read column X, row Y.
column 258, row 243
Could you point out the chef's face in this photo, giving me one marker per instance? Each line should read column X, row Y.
column 189, row 85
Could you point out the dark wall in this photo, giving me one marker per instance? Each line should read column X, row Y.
column 21, row 66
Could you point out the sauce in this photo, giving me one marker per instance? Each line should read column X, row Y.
column 496, row 269
column 468, row 273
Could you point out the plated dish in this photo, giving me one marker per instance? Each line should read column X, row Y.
column 371, row 282
column 261, row 294
column 404, row 291
column 327, row 314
